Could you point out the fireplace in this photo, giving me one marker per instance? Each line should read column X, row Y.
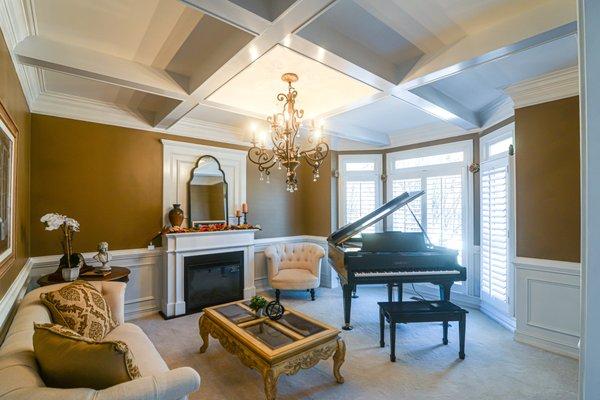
column 211, row 279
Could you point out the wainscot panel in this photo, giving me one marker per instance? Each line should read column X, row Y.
column 548, row 304
column 144, row 290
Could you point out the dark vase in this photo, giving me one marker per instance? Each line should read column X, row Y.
column 176, row 215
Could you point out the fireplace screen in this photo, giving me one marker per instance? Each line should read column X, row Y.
column 212, row 279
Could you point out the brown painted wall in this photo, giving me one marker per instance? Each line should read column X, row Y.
column 110, row 179
column 317, row 200
column 11, row 96
column 547, row 180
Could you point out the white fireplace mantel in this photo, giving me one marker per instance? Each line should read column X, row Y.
column 177, row 246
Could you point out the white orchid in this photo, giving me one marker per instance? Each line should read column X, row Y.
column 54, row 221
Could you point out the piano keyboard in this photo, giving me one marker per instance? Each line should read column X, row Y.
column 376, row 274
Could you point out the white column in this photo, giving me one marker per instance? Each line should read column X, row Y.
column 589, row 64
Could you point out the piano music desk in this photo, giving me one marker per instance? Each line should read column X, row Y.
column 421, row 311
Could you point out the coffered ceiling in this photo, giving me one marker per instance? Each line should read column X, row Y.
column 374, row 72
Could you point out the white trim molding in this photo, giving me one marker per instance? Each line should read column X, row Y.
column 14, row 294
column 179, row 158
column 549, row 87
column 548, row 304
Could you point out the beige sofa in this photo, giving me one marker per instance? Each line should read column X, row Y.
column 20, row 379
column 294, row 266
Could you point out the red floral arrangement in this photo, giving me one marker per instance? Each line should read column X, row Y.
column 209, row 228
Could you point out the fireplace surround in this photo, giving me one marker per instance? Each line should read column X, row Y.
column 179, row 247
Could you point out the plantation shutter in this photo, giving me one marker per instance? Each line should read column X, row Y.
column 494, row 232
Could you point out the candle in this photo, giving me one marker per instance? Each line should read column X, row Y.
column 245, row 207
column 238, row 213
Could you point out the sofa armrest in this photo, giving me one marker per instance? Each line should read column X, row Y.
column 114, row 294
column 171, row 385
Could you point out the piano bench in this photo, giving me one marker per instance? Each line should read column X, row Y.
column 421, row 311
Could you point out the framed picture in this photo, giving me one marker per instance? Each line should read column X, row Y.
column 8, row 135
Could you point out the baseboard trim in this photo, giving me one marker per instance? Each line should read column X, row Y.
column 547, row 345
column 506, row 321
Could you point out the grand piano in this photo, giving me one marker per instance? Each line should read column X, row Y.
column 391, row 258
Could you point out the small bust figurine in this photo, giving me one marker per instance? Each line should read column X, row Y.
column 103, row 257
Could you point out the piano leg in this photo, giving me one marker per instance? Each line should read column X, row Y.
column 347, row 291
column 445, row 291
column 354, row 295
column 399, row 292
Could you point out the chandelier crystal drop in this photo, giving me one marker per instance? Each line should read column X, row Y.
column 285, row 151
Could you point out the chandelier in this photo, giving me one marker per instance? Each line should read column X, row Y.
column 285, row 152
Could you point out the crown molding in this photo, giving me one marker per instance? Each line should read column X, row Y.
column 497, row 111
column 427, row 133
column 17, row 21
column 549, row 87
column 79, row 108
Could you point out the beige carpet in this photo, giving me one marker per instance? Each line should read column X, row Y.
column 496, row 366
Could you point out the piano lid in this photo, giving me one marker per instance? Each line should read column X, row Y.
column 351, row 229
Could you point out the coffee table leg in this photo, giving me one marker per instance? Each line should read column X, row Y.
column 270, row 384
column 338, row 359
column 202, row 323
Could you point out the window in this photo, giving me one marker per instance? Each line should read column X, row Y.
column 495, row 176
column 443, row 211
column 360, row 187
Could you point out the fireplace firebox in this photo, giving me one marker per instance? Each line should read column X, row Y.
column 211, row 279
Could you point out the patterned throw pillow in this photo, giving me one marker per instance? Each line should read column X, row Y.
column 80, row 306
column 69, row 360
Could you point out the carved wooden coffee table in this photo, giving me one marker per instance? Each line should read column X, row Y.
column 272, row 347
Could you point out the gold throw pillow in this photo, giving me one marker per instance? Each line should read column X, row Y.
column 69, row 360
column 80, row 306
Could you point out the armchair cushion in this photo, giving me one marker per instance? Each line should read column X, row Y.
column 294, row 279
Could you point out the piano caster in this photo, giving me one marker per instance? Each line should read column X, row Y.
column 347, row 327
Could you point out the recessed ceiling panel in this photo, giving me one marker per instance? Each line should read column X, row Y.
column 476, row 87
column 108, row 26
column 267, row 9
column 320, row 88
column 388, row 115
column 210, row 45
column 348, row 30
column 215, row 115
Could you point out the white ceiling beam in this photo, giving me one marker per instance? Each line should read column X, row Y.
column 41, row 52
column 290, row 20
column 232, row 14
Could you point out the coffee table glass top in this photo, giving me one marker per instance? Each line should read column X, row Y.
column 290, row 328
column 269, row 334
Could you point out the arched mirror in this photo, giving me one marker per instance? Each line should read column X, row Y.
column 207, row 191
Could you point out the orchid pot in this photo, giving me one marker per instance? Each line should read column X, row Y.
column 70, row 274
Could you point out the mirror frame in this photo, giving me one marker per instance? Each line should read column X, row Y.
column 225, row 189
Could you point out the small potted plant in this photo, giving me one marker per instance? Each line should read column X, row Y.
column 258, row 304
column 70, row 263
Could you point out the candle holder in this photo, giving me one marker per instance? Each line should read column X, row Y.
column 245, row 217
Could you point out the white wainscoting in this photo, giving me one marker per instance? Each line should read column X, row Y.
column 14, row 294
column 548, row 304
column 143, row 292
column 144, row 289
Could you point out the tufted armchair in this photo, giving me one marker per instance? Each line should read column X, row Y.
column 294, row 266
